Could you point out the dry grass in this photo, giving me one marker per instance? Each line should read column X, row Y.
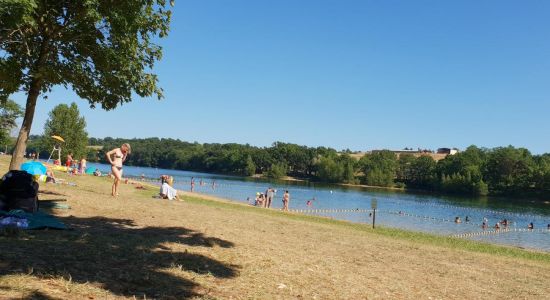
column 201, row 248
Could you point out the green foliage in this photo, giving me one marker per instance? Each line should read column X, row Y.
column 277, row 170
column 250, row 168
column 65, row 121
column 336, row 168
column 102, row 49
column 9, row 112
column 422, row 173
column 404, row 168
column 328, row 170
column 509, row 170
column 474, row 171
column 379, row 168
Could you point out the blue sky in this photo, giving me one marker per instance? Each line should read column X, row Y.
column 345, row 74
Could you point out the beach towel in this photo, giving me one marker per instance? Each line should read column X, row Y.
column 24, row 220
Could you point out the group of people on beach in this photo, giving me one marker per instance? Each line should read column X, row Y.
column 73, row 166
column 265, row 199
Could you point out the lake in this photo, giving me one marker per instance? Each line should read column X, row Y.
column 413, row 211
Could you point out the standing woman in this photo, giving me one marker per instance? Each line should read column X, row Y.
column 116, row 157
column 286, row 199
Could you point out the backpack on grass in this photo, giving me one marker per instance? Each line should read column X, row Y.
column 18, row 190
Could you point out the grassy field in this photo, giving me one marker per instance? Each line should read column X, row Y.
column 207, row 248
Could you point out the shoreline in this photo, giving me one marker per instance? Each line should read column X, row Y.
column 182, row 194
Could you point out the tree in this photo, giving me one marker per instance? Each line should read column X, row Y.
column 423, row 172
column 379, row 167
column 329, row 170
column 509, row 170
column 9, row 112
column 65, row 121
column 250, row 168
column 277, row 170
column 103, row 50
column 404, row 167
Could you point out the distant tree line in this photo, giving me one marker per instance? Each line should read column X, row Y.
column 475, row 171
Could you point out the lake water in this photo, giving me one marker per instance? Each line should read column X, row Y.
column 419, row 212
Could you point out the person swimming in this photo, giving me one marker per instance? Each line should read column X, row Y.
column 531, row 226
column 458, row 220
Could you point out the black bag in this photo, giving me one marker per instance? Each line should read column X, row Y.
column 18, row 190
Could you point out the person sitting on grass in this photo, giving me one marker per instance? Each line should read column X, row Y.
column 259, row 199
column 168, row 192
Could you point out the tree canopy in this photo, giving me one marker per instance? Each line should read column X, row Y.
column 103, row 50
column 65, row 121
column 9, row 112
column 476, row 171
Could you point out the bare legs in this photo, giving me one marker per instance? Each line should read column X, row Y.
column 118, row 177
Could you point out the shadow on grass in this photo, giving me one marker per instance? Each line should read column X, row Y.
column 41, row 192
column 32, row 295
column 116, row 256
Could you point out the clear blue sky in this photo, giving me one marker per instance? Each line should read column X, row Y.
column 345, row 74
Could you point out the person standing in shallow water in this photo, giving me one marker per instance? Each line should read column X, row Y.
column 116, row 157
column 269, row 194
column 286, row 200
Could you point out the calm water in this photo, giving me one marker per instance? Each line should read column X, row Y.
column 419, row 212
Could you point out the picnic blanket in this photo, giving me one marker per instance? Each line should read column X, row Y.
column 25, row 220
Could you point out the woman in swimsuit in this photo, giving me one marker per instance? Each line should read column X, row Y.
column 286, row 199
column 116, row 157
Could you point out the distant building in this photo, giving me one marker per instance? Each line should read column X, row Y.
column 448, row 151
column 399, row 152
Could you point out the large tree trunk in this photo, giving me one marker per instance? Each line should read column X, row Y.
column 22, row 138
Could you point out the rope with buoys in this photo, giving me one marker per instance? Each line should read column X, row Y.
column 497, row 231
column 312, row 211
